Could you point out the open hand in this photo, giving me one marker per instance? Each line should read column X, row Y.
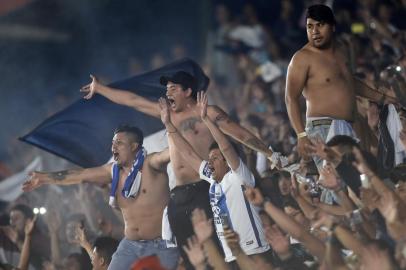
column 80, row 236
column 35, row 180
column 194, row 251
column 279, row 242
column 202, row 101
column 91, row 88
column 164, row 110
column 202, row 226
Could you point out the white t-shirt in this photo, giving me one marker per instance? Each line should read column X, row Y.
column 230, row 205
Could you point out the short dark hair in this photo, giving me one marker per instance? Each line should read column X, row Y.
column 398, row 174
column 185, row 79
column 342, row 140
column 135, row 132
column 213, row 146
column 321, row 13
column 194, row 91
column 26, row 210
column 278, row 175
column 105, row 247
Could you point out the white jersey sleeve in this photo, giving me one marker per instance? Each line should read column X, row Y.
column 245, row 175
column 205, row 172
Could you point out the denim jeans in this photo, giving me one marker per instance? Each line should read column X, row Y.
column 129, row 251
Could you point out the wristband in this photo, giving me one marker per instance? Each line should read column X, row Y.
column 301, row 135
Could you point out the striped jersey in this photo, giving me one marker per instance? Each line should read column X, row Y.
column 230, row 206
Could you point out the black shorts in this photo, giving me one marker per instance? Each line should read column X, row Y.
column 182, row 201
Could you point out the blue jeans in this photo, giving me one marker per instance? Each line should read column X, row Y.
column 129, row 251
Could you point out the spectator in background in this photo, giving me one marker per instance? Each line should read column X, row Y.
column 19, row 215
column 102, row 250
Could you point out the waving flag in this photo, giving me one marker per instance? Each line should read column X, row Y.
column 82, row 132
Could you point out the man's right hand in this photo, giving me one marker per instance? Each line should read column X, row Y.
column 36, row 179
column 164, row 110
column 302, row 147
column 91, row 88
column 202, row 101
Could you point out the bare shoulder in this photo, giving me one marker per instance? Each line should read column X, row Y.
column 158, row 160
column 302, row 57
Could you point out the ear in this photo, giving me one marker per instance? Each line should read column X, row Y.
column 189, row 92
column 134, row 146
column 102, row 261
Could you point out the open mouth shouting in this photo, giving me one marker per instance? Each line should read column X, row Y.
column 115, row 156
column 171, row 101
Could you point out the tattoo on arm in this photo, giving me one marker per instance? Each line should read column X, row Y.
column 59, row 176
column 220, row 116
column 255, row 144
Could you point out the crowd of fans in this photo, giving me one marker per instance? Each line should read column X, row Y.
column 246, row 60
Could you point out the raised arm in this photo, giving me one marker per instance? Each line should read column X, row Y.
column 25, row 250
column 237, row 132
column 158, row 161
column 294, row 229
column 182, row 146
column 362, row 89
column 100, row 175
column 226, row 148
column 121, row 97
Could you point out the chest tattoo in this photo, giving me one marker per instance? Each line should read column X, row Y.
column 189, row 124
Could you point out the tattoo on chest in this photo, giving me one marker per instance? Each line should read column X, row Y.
column 189, row 124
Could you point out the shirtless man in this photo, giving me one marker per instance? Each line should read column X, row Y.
column 142, row 212
column 320, row 71
column 190, row 191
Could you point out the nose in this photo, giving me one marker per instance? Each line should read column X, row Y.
column 113, row 147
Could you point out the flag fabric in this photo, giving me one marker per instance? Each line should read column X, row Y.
column 10, row 188
column 82, row 132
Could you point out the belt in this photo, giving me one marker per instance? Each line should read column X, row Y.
column 321, row 122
